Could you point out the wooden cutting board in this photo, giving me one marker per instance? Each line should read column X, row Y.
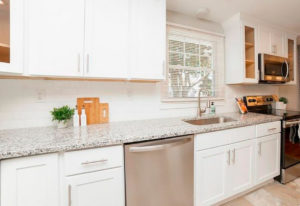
column 104, row 113
column 92, row 109
column 96, row 112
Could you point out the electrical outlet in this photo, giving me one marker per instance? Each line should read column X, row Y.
column 41, row 95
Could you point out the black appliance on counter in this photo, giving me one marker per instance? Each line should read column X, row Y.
column 290, row 135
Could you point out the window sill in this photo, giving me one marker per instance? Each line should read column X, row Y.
column 177, row 100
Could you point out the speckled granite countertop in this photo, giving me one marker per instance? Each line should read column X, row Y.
column 34, row 141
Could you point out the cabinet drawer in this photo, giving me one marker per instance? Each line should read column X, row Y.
column 224, row 137
column 92, row 160
column 268, row 128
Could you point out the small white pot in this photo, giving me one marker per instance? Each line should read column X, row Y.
column 280, row 105
column 62, row 124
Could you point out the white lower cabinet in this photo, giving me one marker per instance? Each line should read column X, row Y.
column 30, row 181
column 211, row 174
column 241, row 168
column 223, row 171
column 267, row 158
column 97, row 188
column 235, row 165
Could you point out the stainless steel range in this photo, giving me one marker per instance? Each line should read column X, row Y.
column 290, row 135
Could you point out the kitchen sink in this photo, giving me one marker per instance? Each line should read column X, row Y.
column 213, row 120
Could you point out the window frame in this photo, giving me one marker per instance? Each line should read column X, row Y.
column 218, row 61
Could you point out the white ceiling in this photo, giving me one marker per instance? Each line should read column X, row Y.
column 284, row 13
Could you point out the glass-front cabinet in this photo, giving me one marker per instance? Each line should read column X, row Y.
column 11, row 34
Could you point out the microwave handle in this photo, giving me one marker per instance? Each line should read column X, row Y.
column 287, row 68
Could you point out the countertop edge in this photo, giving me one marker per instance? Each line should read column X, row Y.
column 100, row 144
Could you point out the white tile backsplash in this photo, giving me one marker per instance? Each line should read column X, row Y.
column 20, row 106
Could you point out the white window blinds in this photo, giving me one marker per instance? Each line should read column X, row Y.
column 192, row 65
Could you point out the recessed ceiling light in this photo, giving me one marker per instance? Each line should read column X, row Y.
column 1, row 2
column 202, row 12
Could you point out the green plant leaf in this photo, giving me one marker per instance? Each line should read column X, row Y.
column 64, row 113
column 283, row 99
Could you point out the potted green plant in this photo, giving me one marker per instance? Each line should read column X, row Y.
column 281, row 104
column 62, row 116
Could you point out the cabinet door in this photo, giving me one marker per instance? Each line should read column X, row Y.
column 291, row 51
column 211, row 174
column 148, row 39
column 241, row 167
column 107, row 28
column 30, row 181
column 11, row 37
column 250, row 60
column 54, row 33
column 98, row 188
column 277, row 43
column 264, row 40
column 267, row 158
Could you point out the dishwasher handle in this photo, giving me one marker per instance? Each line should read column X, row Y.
column 151, row 148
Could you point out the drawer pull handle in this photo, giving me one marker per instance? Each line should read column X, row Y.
column 271, row 129
column 94, row 162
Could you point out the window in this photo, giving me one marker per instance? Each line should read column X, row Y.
column 194, row 63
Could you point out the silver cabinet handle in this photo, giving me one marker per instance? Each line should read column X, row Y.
column 94, row 162
column 87, row 63
column 151, row 148
column 233, row 156
column 69, row 195
column 228, row 157
column 259, row 148
column 78, row 62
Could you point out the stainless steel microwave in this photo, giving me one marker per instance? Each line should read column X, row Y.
column 273, row 69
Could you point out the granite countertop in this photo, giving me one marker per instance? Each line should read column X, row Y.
column 33, row 141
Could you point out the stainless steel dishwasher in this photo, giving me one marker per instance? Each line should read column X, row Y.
column 160, row 173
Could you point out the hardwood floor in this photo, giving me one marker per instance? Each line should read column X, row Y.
column 274, row 194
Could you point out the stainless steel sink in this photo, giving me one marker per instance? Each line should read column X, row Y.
column 213, row 120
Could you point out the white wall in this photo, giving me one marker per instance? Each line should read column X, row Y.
column 182, row 19
column 21, row 107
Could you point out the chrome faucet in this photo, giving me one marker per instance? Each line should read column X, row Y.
column 201, row 111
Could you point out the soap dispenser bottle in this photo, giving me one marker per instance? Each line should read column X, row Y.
column 76, row 118
column 83, row 117
column 212, row 108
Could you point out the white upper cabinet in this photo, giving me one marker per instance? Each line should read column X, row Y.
column 148, row 39
column 114, row 39
column 245, row 38
column 265, row 40
column 291, row 51
column 271, row 41
column 241, row 51
column 278, row 43
column 11, row 37
column 106, row 39
column 54, row 37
